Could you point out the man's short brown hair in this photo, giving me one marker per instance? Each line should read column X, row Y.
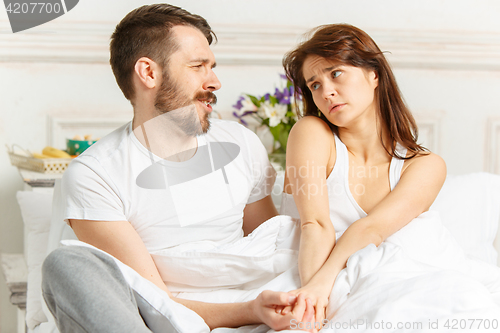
column 146, row 32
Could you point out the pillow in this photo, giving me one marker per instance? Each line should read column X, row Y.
column 44, row 229
column 469, row 206
column 59, row 229
column 36, row 210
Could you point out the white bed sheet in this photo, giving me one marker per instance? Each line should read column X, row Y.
column 419, row 276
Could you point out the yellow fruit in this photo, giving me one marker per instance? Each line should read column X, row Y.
column 36, row 155
column 55, row 153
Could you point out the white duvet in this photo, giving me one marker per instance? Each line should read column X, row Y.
column 417, row 280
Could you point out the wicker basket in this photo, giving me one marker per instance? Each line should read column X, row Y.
column 46, row 165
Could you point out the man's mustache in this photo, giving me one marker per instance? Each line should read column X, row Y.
column 206, row 96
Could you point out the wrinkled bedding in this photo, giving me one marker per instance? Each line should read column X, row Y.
column 418, row 280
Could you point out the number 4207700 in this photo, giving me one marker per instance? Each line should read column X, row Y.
column 456, row 324
column 33, row 7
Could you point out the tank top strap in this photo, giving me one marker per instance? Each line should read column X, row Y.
column 396, row 166
column 342, row 159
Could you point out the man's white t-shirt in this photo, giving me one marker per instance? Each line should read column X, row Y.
column 196, row 204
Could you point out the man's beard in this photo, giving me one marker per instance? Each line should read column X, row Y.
column 169, row 98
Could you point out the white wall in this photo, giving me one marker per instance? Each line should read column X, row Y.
column 446, row 56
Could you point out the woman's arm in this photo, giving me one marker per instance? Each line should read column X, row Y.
column 310, row 149
column 417, row 189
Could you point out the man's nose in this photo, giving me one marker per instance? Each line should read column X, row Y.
column 212, row 82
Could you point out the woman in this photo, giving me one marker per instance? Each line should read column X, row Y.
column 356, row 142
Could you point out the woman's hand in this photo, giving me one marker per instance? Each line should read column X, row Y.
column 264, row 309
column 318, row 295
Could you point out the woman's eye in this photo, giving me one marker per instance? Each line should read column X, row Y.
column 314, row 86
column 336, row 74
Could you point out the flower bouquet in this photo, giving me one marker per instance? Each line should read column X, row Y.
column 276, row 111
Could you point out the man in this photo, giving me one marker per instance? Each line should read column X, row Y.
column 171, row 180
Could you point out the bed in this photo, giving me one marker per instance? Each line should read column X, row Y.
column 469, row 206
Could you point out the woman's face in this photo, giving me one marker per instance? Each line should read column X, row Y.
column 343, row 93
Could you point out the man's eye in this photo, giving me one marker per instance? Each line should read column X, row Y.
column 315, row 86
column 336, row 74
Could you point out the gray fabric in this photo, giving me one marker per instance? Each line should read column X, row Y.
column 86, row 292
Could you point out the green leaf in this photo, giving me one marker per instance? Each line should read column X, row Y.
column 283, row 138
column 276, row 131
column 254, row 100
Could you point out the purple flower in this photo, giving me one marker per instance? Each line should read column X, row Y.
column 238, row 104
column 244, row 114
column 269, row 109
column 283, row 97
column 240, row 118
column 247, row 113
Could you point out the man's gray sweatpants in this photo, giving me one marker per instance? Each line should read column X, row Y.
column 86, row 292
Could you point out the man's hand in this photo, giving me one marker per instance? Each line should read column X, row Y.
column 264, row 308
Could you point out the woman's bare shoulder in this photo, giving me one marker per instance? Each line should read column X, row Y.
column 311, row 126
column 311, row 139
column 427, row 162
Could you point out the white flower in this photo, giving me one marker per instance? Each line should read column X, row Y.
column 275, row 113
column 247, row 105
column 261, row 112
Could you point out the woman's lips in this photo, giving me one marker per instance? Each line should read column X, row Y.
column 336, row 107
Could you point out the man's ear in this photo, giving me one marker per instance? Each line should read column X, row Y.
column 147, row 72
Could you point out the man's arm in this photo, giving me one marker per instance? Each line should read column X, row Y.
column 120, row 239
column 258, row 212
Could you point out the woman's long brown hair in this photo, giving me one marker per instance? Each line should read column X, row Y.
column 349, row 45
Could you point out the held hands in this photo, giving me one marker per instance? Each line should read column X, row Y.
column 264, row 307
column 319, row 299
